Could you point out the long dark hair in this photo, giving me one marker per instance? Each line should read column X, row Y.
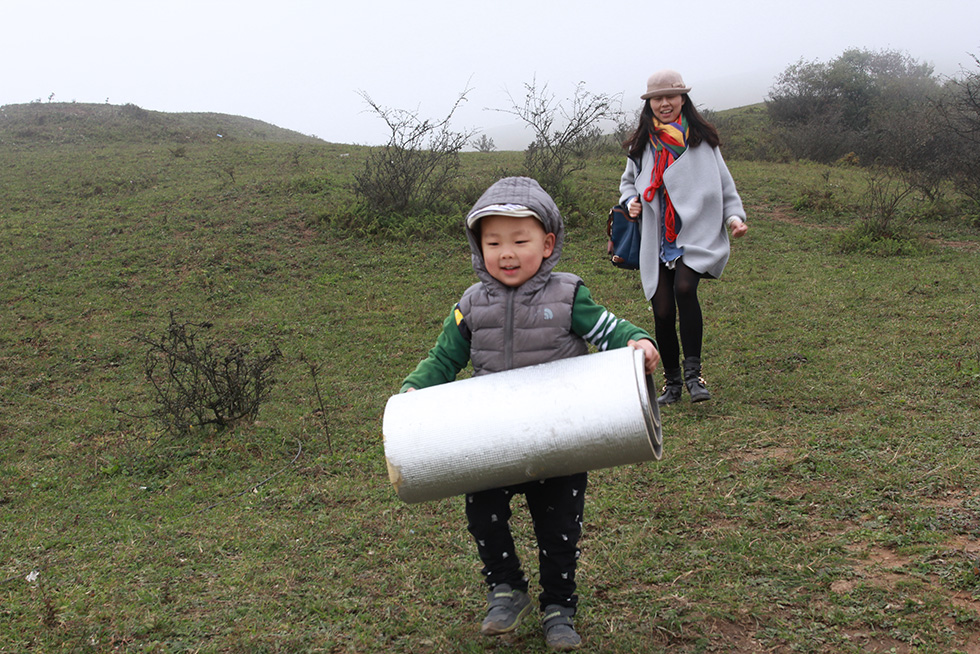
column 701, row 131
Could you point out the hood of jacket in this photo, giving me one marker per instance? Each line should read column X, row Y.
column 528, row 193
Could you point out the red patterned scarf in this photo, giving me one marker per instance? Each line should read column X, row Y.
column 669, row 141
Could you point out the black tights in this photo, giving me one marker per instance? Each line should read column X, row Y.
column 677, row 294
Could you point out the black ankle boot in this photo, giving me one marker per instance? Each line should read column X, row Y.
column 672, row 389
column 694, row 381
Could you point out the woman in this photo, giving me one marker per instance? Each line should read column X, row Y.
column 676, row 178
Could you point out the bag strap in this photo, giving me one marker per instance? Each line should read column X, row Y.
column 609, row 223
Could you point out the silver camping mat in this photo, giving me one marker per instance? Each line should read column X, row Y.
column 559, row 418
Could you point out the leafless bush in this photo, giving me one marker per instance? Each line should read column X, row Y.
column 626, row 123
column 197, row 382
column 884, row 227
column 882, row 200
column 566, row 132
column 484, row 144
column 417, row 165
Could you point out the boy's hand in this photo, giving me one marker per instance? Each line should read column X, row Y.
column 650, row 355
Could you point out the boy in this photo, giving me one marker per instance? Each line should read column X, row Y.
column 521, row 313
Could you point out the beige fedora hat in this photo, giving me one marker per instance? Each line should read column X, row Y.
column 665, row 82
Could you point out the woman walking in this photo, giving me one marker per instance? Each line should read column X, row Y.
column 676, row 178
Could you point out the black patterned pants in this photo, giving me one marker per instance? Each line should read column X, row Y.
column 556, row 506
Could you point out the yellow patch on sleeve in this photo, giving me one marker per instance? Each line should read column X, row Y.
column 458, row 315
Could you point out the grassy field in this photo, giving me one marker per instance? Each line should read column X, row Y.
column 825, row 501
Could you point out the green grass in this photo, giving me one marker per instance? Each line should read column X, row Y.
column 824, row 501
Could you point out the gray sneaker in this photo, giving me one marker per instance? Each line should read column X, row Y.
column 559, row 632
column 505, row 608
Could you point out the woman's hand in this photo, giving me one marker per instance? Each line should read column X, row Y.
column 650, row 355
column 738, row 228
column 634, row 207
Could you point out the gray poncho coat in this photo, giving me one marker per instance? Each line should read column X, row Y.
column 704, row 196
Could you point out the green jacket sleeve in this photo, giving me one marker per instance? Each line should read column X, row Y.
column 447, row 357
column 599, row 326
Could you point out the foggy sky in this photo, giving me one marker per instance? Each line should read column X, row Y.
column 300, row 64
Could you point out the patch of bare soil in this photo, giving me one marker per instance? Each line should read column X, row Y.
column 736, row 637
column 883, row 567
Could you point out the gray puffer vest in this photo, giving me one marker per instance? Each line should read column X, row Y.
column 512, row 329
column 531, row 324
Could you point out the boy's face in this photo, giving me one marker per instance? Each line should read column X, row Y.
column 513, row 248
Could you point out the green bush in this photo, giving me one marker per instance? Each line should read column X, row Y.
column 820, row 201
column 864, row 238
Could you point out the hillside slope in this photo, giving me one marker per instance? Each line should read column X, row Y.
column 73, row 123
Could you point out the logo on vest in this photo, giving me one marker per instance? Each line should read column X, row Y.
column 548, row 314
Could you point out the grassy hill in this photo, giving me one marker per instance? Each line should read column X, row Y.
column 746, row 132
column 75, row 123
column 825, row 501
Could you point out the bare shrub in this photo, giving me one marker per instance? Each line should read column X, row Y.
column 414, row 169
column 883, row 229
column 626, row 123
column 484, row 144
column 566, row 132
column 197, row 382
column 885, row 194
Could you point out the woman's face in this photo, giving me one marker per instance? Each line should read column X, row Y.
column 667, row 108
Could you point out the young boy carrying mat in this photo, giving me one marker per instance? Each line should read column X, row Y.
column 521, row 313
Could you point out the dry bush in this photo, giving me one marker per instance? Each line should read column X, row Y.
column 198, row 382
column 566, row 133
column 416, row 167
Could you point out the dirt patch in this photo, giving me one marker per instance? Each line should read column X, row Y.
column 735, row 636
column 883, row 567
column 877, row 643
